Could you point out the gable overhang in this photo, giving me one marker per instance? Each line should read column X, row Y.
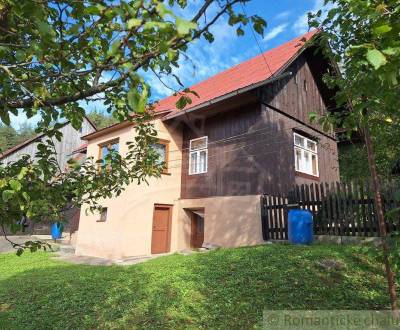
column 228, row 96
column 118, row 126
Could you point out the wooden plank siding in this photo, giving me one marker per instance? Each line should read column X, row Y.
column 250, row 148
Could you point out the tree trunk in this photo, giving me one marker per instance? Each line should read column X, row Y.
column 381, row 218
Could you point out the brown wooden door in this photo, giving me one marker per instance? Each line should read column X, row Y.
column 197, row 237
column 161, row 235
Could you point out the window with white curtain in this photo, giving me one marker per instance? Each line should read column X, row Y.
column 198, row 155
column 305, row 155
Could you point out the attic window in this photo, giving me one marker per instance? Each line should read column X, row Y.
column 305, row 85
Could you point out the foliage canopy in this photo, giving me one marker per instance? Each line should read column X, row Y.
column 54, row 54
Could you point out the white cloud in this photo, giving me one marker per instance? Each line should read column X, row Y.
column 275, row 32
column 282, row 15
column 300, row 26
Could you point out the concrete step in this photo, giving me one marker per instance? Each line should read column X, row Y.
column 66, row 249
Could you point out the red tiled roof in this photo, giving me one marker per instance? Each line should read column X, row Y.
column 241, row 75
column 80, row 149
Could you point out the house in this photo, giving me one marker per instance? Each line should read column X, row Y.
column 70, row 142
column 248, row 133
column 69, row 146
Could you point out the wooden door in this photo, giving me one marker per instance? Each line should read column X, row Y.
column 197, row 236
column 161, row 234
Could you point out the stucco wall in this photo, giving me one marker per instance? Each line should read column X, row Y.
column 128, row 228
column 229, row 221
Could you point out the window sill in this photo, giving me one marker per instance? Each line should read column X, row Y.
column 307, row 176
column 165, row 173
column 100, row 220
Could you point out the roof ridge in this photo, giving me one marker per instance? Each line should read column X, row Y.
column 247, row 61
column 241, row 74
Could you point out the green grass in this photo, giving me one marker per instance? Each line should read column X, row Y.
column 227, row 288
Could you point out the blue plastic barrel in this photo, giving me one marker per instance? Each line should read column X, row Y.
column 300, row 227
column 56, row 230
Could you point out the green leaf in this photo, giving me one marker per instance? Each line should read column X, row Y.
column 172, row 54
column 376, row 58
column 239, row 31
column 7, row 195
column 44, row 28
column 15, row 185
column 183, row 26
column 391, row 51
column 5, row 117
column 143, row 100
column 26, row 196
column 92, row 10
column 133, row 22
column 379, row 30
column 208, row 36
column 259, row 24
column 22, row 173
column 132, row 98
column 313, row 117
column 183, row 102
column 114, row 48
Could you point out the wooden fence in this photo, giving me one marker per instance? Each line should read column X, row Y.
column 338, row 209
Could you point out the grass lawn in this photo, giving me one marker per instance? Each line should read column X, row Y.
column 227, row 288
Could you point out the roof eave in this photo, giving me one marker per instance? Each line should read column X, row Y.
column 229, row 95
column 117, row 126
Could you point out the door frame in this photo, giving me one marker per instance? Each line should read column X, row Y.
column 194, row 219
column 169, row 207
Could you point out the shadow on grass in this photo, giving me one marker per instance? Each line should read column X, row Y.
column 225, row 289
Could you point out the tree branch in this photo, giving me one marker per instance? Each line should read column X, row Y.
column 98, row 88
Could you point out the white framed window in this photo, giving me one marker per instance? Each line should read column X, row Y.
column 198, row 155
column 305, row 155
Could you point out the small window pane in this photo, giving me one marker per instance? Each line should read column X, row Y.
column 193, row 162
column 161, row 149
column 202, row 162
column 115, row 147
column 311, row 145
column 306, row 157
column 104, row 152
column 198, row 144
column 298, row 141
column 314, row 165
column 298, row 159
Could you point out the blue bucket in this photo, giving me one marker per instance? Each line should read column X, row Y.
column 56, row 230
column 300, row 227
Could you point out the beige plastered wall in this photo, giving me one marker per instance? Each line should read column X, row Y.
column 128, row 228
column 229, row 221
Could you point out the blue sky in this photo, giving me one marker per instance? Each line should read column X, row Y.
column 286, row 19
